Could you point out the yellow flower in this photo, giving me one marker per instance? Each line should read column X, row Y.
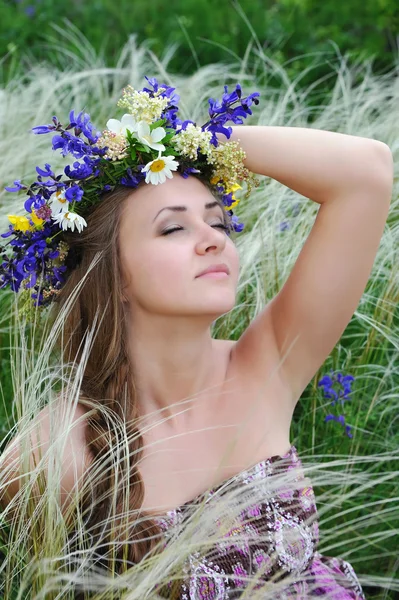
column 20, row 223
column 233, row 188
column 36, row 220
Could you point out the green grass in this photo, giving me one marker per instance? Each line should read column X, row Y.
column 355, row 479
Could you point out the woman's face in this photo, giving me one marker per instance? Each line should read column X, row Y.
column 160, row 271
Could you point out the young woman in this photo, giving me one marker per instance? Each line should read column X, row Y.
column 155, row 376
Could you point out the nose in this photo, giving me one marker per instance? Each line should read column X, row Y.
column 213, row 238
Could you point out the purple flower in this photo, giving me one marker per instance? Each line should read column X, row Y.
column 329, row 392
column 30, row 10
column 172, row 107
column 74, row 193
column 224, row 111
column 82, row 124
column 185, row 172
column 340, row 419
column 185, row 123
column 35, row 202
column 44, row 212
column 227, row 198
column 166, row 93
column 238, row 227
column 33, row 255
column 47, row 172
column 18, row 186
column 40, row 129
column 82, row 170
column 68, row 143
column 132, row 179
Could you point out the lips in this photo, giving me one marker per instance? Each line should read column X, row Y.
column 220, row 268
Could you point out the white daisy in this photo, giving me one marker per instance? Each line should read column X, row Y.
column 150, row 138
column 157, row 170
column 68, row 220
column 58, row 203
column 127, row 122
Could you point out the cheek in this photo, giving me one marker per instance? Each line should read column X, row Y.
column 158, row 271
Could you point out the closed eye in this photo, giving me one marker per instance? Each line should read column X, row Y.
column 167, row 231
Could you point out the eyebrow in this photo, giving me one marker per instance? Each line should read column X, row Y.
column 208, row 206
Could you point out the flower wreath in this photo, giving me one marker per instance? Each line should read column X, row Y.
column 142, row 146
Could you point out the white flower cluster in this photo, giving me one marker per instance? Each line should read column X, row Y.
column 188, row 140
column 116, row 143
column 141, row 106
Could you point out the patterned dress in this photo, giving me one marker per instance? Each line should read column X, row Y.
column 282, row 532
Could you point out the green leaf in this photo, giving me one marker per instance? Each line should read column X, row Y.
column 168, row 137
column 158, row 123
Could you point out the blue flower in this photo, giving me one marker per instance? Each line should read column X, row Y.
column 82, row 124
column 166, row 93
column 329, row 392
column 18, row 186
column 185, row 123
column 340, row 419
column 223, row 112
column 30, row 10
column 35, row 201
column 132, row 179
column 171, row 109
column 40, row 129
column 185, row 172
column 82, row 170
column 70, row 144
column 238, row 227
column 47, row 172
column 74, row 193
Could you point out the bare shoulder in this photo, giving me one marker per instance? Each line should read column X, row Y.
column 75, row 459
